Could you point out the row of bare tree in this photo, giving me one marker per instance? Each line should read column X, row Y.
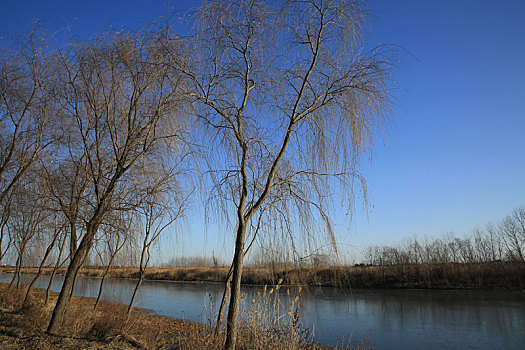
column 504, row 241
column 269, row 105
column 92, row 152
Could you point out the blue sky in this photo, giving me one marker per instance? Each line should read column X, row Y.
column 453, row 159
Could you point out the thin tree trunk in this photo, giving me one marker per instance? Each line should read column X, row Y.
column 73, row 240
column 227, row 286
column 223, row 302
column 18, row 266
column 48, row 251
column 2, row 228
column 142, row 267
column 26, row 298
column 233, row 308
column 74, row 266
column 75, row 277
column 101, row 287
column 135, row 292
column 19, row 274
column 6, row 212
column 15, row 274
column 55, row 269
column 50, row 284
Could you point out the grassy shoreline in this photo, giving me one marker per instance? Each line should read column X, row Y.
column 471, row 276
column 22, row 326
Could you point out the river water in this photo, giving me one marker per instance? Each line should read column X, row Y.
column 386, row 318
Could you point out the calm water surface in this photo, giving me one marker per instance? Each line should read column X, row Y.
column 391, row 319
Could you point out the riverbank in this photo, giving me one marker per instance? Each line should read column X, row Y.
column 22, row 326
column 472, row 276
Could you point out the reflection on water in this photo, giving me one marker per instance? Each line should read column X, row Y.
column 410, row 319
column 397, row 319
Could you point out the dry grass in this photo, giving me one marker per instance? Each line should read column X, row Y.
column 496, row 275
column 269, row 321
column 23, row 326
column 271, row 324
column 266, row 324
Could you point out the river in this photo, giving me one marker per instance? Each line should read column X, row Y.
column 386, row 318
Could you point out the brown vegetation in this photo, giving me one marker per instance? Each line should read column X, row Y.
column 22, row 326
column 103, row 142
column 495, row 275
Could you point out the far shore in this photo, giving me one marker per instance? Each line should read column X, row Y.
column 463, row 276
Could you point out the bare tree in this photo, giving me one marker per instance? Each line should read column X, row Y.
column 504, row 241
column 26, row 223
column 26, row 116
column 4, row 228
column 26, row 108
column 67, row 180
column 116, row 236
column 287, row 91
column 56, row 266
column 163, row 204
column 494, row 242
column 229, row 276
column 512, row 229
column 120, row 100
column 58, row 229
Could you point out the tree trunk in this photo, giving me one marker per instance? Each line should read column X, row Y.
column 142, row 267
column 73, row 240
column 74, row 284
column 233, row 308
column 18, row 266
column 135, row 292
column 223, row 302
column 15, row 275
column 101, row 287
column 74, row 266
column 2, row 228
column 26, row 298
column 55, row 268
column 19, row 273
column 51, row 278
column 48, row 251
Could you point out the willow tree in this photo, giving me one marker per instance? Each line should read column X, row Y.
column 164, row 202
column 27, row 114
column 120, row 106
column 291, row 100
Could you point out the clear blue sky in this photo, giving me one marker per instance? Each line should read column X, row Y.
column 454, row 158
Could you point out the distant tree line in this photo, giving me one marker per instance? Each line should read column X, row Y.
column 195, row 261
column 504, row 241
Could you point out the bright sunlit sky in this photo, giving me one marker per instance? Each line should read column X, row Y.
column 454, row 158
